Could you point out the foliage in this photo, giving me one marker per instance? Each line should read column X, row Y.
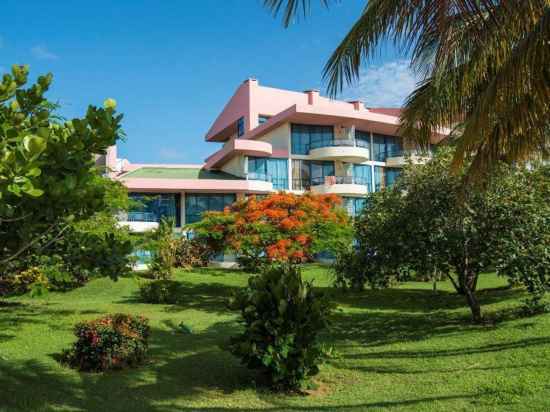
column 282, row 315
column 32, row 279
column 112, row 342
column 482, row 67
column 48, row 177
column 281, row 227
column 427, row 224
column 161, row 291
column 192, row 253
column 163, row 252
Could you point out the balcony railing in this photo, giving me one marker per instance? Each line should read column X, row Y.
column 340, row 180
column 338, row 143
column 278, row 182
column 142, row 217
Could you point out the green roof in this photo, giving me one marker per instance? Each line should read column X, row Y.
column 178, row 173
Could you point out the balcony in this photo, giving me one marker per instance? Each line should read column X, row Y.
column 344, row 150
column 400, row 158
column 139, row 222
column 341, row 185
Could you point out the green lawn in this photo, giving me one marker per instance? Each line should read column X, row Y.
column 400, row 349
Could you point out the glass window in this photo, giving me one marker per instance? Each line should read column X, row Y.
column 385, row 146
column 240, row 127
column 362, row 175
column 379, row 178
column 263, row 118
column 300, row 175
column 269, row 170
column 354, row 205
column 151, row 207
column 305, row 137
column 362, row 139
column 391, row 175
column 197, row 204
column 320, row 170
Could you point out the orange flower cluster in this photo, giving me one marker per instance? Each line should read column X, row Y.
column 279, row 227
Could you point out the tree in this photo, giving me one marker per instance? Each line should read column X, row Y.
column 282, row 227
column 483, row 67
column 48, row 177
column 428, row 223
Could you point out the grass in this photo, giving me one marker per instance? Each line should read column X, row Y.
column 400, row 349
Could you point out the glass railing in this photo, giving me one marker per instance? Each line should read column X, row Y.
column 278, row 182
column 338, row 143
column 142, row 217
column 408, row 152
column 340, row 180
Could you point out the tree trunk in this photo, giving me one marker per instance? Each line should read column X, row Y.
column 474, row 305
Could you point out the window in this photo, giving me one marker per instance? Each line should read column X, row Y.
column 385, row 146
column 391, row 175
column 270, row 170
column 151, row 207
column 304, row 137
column 306, row 173
column 354, row 205
column 240, row 127
column 300, row 175
column 362, row 139
column 197, row 204
column 362, row 175
column 263, row 118
column 379, row 180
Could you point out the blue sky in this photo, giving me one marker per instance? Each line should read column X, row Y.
column 172, row 65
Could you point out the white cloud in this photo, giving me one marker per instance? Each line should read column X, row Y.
column 42, row 53
column 386, row 85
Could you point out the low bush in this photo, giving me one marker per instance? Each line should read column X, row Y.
column 192, row 253
column 163, row 251
column 160, row 291
column 112, row 342
column 282, row 316
column 30, row 280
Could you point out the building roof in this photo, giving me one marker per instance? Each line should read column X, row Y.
column 178, row 173
column 391, row 111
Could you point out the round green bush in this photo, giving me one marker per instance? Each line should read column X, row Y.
column 161, row 291
column 282, row 316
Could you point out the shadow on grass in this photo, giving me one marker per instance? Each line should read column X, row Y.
column 415, row 300
column 172, row 385
column 207, row 297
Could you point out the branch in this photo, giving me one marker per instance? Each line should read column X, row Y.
column 32, row 243
column 14, row 219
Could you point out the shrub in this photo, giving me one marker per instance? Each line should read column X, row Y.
column 112, row 342
column 32, row 279
column 160, row 291
column 192, row 253
column 163, row 251
column 282, row 316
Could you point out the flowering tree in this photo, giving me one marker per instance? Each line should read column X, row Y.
column 281, row 227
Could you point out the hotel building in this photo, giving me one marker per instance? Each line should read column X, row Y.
column 273, row 140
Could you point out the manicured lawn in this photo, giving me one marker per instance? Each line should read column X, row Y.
column 400, row 349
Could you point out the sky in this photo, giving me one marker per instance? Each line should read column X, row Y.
column 172, row 65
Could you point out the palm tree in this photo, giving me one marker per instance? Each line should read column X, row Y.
column 484, row 67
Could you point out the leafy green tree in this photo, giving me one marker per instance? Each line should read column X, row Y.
column 48, row 178
column 483, row 65
column 427, row 223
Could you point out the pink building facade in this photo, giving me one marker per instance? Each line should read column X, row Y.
column 274, row 140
